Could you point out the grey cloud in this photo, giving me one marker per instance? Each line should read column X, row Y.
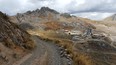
column 81, row 7
column 94, row 15
column 96, row 6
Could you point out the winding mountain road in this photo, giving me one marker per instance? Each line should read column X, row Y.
column 45, row 53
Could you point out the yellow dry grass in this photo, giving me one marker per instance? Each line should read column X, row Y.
column 78, row 57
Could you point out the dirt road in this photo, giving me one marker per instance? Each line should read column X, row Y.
column 46, row 53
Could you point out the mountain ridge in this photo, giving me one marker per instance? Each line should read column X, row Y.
column 111, row 18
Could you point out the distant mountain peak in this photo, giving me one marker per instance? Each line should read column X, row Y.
column 111, row 18
column 43, row 9
column 114, row 17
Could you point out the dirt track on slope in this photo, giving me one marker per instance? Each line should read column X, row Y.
column 46, row 53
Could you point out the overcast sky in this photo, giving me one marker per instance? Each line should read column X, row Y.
column 93, row 9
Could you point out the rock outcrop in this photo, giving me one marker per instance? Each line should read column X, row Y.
column 11, row 35
column 14, row 41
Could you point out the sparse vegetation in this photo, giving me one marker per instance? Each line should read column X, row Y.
column 30, row 45
column 80, row 57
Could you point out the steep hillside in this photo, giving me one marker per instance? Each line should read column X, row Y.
column 14, row 42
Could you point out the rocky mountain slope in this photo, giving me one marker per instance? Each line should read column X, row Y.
column 13, row 41
column 85, row 41
column 46, row 18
